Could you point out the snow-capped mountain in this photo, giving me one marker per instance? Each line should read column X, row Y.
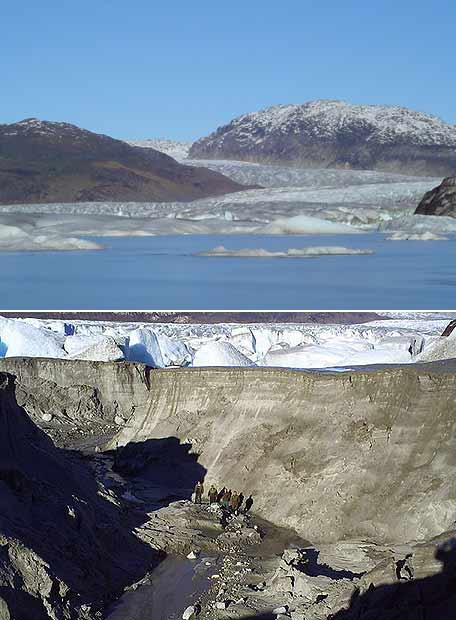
column 337, row 134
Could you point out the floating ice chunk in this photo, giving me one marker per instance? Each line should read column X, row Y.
column 18, row 339
column 304, row 224
column 290, row 253
column 220, row 353
column 424, row 236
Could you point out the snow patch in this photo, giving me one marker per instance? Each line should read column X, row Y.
column 220, row 354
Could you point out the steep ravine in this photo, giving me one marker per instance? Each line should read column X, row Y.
column 360, row 463
column 368, row 453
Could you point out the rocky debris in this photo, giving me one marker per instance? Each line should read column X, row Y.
column 280, row 610
column 191, row 612
column 181, row 527
column 48, row 162
column 441, row 200
column 335, row 134
column 66, row 547
column 423, row 590
column 222, row 604
column 193, row 555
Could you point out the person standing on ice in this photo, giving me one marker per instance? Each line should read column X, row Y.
column 199, row 490
column 212, row 495
column 248, row 503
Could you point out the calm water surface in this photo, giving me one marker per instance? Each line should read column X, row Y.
column 161, row 273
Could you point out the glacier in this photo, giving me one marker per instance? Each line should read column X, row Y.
column 292, row 201
column 160, row 345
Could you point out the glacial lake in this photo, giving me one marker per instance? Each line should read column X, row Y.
column 162, row 273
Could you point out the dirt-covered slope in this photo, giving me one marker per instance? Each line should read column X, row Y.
column 42, row 161
column 365, row 454
column 333, row 455
column 335, row 134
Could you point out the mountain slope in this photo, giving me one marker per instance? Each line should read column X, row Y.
column 43, row 161
column 337, row 134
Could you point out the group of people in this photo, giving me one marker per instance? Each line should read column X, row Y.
column 226, row 498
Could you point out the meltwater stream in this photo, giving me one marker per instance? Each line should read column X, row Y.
column 174, row 585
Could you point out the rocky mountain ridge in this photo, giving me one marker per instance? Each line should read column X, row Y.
column 45, row 162
column 335, row 134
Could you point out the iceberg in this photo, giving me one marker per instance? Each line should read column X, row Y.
column 18, row 339
column 157, row 350
column 144, row 348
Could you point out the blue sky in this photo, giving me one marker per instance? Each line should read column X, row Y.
column 179, row 69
